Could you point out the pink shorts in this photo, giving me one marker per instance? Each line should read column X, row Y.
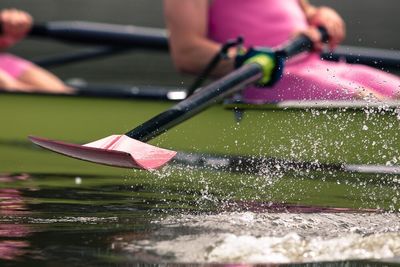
column 12, row 65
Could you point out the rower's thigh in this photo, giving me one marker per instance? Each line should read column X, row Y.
column 42, row 79
column 7, row 82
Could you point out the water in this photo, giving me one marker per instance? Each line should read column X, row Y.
column 277, row 237
column 66, row 212
column 58, row 212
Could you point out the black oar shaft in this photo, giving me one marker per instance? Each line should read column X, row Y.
column 233, row 82
column 374, row 57
column 103, row 34
column 81, row 55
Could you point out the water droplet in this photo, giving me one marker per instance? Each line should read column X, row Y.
column 78, row 180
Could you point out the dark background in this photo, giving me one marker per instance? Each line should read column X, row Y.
column 370, row 23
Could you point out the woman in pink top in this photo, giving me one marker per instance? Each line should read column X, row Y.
column 199, row 27
column 17, row 74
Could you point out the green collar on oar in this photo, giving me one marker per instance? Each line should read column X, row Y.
column 272, row 61
column 268, row 64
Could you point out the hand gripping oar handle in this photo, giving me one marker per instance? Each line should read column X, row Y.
column 231, row 83
column 93, row 33
column 301, row 44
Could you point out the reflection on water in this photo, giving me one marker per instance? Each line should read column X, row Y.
column 13, row 243
column 11, row 250
column 187, row 215
column 11, row 199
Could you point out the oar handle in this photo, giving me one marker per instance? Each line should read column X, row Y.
column 301, row 44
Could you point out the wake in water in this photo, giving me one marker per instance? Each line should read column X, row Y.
column 238, row 237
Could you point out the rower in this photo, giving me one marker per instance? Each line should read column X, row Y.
column 17, row 74
column 198, row 28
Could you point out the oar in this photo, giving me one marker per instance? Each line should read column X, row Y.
column 129, row 36
column 258, row 165
column 130, row 151
column 374, row 57
column 113, row 91
column 102, row 34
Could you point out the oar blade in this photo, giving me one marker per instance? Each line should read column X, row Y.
column 115, row 150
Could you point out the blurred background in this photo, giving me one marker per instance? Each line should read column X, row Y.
column 370, row 23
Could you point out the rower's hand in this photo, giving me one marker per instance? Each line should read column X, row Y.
column 315, row 36
column 15, row 25
column 329, row 19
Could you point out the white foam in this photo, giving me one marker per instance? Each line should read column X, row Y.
column 293, row 248
column 247, row 237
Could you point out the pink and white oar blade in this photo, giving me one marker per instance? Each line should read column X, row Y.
column 115, row 150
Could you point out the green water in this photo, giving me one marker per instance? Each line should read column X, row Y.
column 64, row 211
column 52, row 219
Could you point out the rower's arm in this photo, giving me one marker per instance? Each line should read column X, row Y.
column 309, row 9
column 191, row 49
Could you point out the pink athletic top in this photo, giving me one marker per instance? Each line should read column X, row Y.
column 261, row 22
column 273, row 22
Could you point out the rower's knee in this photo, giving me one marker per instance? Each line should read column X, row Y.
column 41, row 80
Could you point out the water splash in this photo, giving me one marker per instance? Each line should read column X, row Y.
column 294, row 248
column 247, row 237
